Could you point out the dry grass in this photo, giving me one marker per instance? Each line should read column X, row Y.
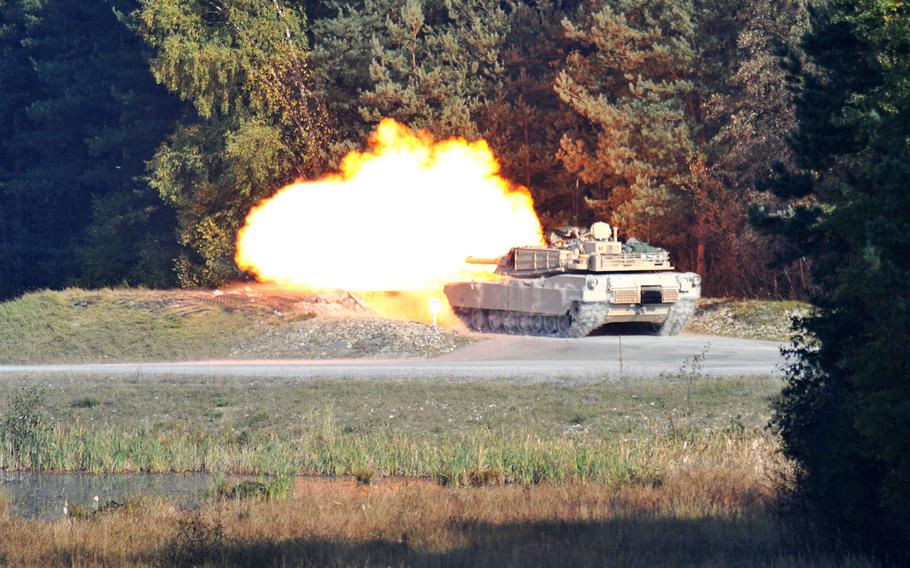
column 702, row 516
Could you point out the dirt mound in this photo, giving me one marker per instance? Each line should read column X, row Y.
column 750, row 319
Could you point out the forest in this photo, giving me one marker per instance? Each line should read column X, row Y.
column 137, row 135
column 764, row 143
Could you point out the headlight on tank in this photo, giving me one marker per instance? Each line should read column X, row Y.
column 591, row 282
column 696, row 279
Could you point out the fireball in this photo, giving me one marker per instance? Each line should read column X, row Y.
column 401, row 216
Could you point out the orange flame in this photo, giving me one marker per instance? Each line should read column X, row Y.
column 401, row 216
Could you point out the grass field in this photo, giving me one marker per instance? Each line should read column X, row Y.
column 516, row 432
column 290, row 407
column 672, row 471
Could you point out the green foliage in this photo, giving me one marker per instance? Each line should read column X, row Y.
column 525, row 119
column 845, row 413
column 435, row 63
column 659, row 115
column 245, row 68
column 26, row 429
column 429, row 64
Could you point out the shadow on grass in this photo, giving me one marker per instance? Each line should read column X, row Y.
column 615, row 542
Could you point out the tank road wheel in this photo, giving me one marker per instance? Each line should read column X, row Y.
column 550, row 325
column 536, row 324
column 477, row 319
column 494, row 320
column 564, row 325
column 510, row 322
column 524, row 323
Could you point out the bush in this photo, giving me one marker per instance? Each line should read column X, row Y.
column 198, row 542
column 26, row 427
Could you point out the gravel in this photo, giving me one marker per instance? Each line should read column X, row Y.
column 351, row 338
column 749, row 319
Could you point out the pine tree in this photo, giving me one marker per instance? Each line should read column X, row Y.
column 435, row 63
column 525, row 119
column 746, row 112
column 628, row 76
column 19, row 86
column 77, row 148
column 671, row 95
column 429, row 64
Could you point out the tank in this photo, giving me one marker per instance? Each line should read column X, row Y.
column 582, row 280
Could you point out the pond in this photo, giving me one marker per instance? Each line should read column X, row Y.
column 43, row 495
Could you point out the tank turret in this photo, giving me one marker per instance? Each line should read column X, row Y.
column 573, row 250
column 582, row 279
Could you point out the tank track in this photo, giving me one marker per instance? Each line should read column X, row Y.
column 679, row 315
column 580, row 321
column 586, row 318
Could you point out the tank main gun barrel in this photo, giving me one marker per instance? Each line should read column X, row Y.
column 481, row 260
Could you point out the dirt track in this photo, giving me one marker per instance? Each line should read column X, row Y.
column 532, row 358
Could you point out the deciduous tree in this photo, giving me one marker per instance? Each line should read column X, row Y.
column 245, row 67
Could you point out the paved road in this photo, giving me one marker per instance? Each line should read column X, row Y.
column 499, row 357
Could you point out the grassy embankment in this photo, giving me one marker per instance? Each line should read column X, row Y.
column 73, row 326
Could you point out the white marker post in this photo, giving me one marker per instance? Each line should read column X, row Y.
column 435, row 308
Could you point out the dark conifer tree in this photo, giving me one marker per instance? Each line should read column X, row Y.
column 845, row 413
column 77, row 148
column 19, row 86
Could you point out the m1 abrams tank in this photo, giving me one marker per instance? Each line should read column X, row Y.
column 584, row 279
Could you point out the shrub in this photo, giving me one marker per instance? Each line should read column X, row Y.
column 26, row 426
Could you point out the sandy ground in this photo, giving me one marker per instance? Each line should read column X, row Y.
column 532, row 358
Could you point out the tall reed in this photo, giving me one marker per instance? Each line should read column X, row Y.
column 453, row 459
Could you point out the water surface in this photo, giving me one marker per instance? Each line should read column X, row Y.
column 42, row 495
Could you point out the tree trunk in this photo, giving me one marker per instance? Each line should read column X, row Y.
column 700, row 247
